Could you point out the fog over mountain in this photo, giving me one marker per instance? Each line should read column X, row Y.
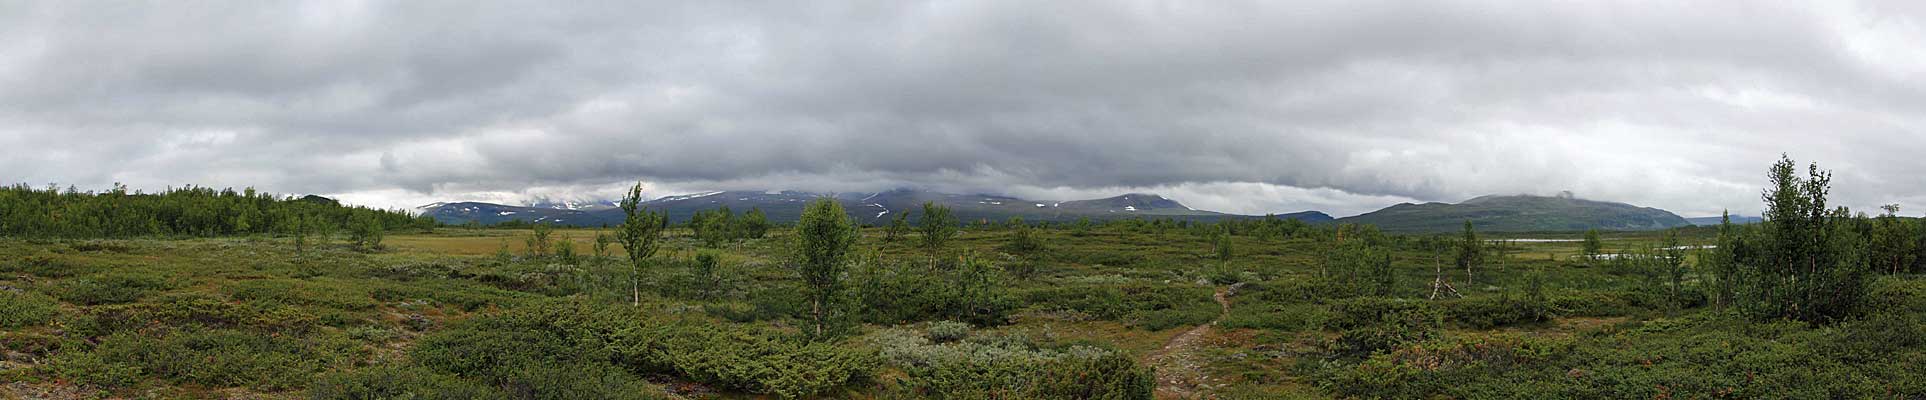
column 1239, row 107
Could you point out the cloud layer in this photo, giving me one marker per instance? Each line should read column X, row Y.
column 1342, row 106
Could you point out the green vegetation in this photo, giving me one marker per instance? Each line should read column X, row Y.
column 190, row 211
column 1814, row 303
column 823, row 238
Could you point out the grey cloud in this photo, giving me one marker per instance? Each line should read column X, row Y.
column 1241, row 106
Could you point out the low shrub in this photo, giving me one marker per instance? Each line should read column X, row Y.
column 469, row 296
column 332, row 294
column 397, row 382
column 47, row 266
column 905, row 294
column 1106, row 376
column 192, row 309
column 1281, row 317
column 222, row 358
column 1008, row 366
column 948, row 331
column 116, row 287
column 91, row 369
column 741, row 359
column 1369, row 325
column 23, row 309
column 1142, row 305
column 1487, row 312
column 503, row 348
column 529, row 361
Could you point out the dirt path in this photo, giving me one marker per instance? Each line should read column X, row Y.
column 1179, row 367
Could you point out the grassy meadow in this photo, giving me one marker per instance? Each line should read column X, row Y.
column 1118, row 311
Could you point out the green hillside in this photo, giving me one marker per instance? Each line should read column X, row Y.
column 1521, row 213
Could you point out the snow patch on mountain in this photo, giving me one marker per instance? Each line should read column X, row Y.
column 688, row 196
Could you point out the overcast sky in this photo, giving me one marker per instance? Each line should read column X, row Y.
column 1269, row 106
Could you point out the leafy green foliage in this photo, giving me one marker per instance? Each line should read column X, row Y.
column 1023, row 239
column 641, row 235
column 753, row 225
column 937, row 226
column 1369, row 325
column 898, row 227
column 1806, row 261
column 366, row 231
column 892, row 294
column 538, row 241
column 823, row 237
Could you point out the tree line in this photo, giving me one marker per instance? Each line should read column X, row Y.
column 188, row 211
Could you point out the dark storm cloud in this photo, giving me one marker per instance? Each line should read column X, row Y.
column 1239, row 106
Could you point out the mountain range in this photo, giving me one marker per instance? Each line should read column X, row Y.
column 1519, row 213
column 866, row 208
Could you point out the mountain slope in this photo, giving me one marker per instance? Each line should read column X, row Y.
column 489, row 213
column 1518, row 214
column 866, row 208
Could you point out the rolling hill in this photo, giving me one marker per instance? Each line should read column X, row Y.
column 1521, row 213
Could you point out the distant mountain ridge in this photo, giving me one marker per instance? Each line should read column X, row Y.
column 1519, row 213
column 875, row 208
column 1715, row 220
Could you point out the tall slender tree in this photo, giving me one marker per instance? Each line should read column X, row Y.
column 824, row 235
column 1470, row 252
column 938, row 226
column 641, row 235
column 1672, row 258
